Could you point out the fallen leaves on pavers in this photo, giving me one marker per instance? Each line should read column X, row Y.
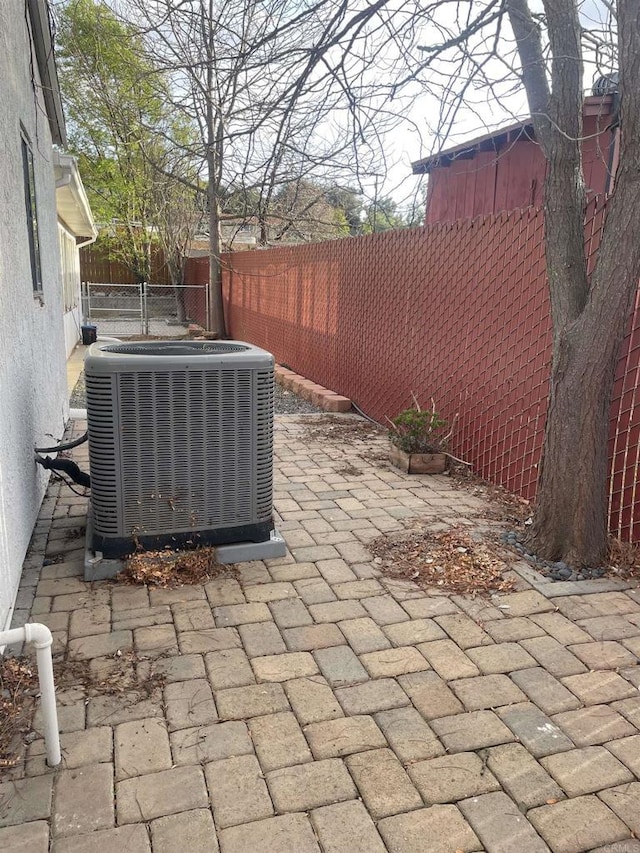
column 450, row 561
column 172, row 568
column 18, row 688
column 111, row 675
column 125, row 676
column 360, row 435
column 348, row 428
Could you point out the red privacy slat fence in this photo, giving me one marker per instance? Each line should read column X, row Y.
column 458, row 311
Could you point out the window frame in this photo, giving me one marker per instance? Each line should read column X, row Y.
column 31, row 211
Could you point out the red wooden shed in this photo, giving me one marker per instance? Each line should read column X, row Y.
column 505, row 169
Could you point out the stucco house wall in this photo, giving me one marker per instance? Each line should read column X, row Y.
column 33, row 398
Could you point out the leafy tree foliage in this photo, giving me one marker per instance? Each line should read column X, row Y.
column 383, row 215
column 119, row 123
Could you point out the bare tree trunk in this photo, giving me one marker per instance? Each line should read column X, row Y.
column 176, row 276
column 263, row 239
column 216, row 307
column 214, row 169
column 570, row 520
column 571, row 509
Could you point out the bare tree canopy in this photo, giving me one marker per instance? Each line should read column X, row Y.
column 283, row 96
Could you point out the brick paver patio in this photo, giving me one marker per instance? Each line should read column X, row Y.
column 314, row 705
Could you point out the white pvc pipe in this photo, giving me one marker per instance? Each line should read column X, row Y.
column 78, row 414
column 40, row 636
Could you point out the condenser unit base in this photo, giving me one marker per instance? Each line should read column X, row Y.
column 243, row 552
column 123, row 546
column 98, row 567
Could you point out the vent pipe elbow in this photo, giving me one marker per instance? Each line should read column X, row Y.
column 40, row 636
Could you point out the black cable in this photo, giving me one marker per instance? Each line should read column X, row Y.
column 366, row 416
column 68, row 446
column 68, row 466
column 68, row 483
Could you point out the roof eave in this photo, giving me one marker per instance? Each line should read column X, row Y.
column 73, row 204
column 494, row 141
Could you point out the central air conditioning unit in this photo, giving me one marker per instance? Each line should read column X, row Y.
column 180, row 445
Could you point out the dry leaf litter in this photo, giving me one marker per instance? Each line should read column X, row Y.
column 18, row 689
column 173, row 568
column 450, row 561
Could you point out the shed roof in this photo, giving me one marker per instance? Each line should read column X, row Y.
column 502, row 137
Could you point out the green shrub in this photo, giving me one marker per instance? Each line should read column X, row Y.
column 418, row 430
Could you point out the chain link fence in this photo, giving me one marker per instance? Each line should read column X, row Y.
column 127, row 310
column 455, row 311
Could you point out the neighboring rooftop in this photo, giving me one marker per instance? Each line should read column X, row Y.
column 503, row 137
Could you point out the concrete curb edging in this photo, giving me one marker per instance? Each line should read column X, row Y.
column 311, row 391
column 554, row 589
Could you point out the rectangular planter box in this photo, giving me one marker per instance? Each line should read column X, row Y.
column 418, row 463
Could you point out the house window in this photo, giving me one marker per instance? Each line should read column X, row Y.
column 28, row 174
column 69, row 269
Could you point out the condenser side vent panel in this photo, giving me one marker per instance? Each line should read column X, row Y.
column 104, row 453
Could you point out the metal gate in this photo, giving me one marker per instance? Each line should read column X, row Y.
column 128, row 310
